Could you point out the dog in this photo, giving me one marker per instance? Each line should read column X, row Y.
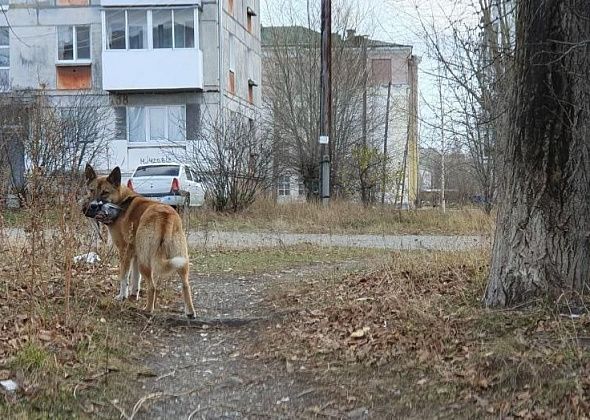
column 148, row 235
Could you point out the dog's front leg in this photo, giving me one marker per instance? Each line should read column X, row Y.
column 124, row 265
column 135, row 279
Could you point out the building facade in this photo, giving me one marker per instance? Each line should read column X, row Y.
column 160, row 67
column 386, row 108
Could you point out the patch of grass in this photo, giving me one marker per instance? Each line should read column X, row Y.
column 253, row 261
column 412, row 339
column 345, row 217
column 30, row 358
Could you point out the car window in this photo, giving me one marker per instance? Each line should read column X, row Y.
column 156, row 170
column 189, row 174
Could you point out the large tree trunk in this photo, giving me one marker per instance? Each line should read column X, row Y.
column 542, row 242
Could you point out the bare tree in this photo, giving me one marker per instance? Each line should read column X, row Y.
column 52, row 139
column 233, row 159
column 541, row 247
column 476, row 56
column 292, row 66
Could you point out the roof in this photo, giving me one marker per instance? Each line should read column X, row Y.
column 300, row 35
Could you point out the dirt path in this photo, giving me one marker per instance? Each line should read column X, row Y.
column 211, row 366
column 243, row 240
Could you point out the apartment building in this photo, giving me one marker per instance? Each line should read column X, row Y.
column 160, row 67
column 391, row 76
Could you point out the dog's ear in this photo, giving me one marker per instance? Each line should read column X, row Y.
column 115, row 177
column 89, row 173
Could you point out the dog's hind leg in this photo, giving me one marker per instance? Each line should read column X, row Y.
column 189, row 309
column 135, row 279
column 124, row 265
column 146, row 273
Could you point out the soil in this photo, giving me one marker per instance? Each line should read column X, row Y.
column 210, row 368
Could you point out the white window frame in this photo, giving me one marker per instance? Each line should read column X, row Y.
column 75, row 61
column 147, row 128
column 150, row 30
column 7, row 68
column 284, row 181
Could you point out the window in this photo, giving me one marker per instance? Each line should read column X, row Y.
column 120, row 123
column 193, row 121
column 115, row 22
column 251, row 93
column 4, row 3
column 4, row 58
column 301, row 188
column 232, row 63
column 170, row 28
column 137, row 28
column 155, row 124
column 73, row 43
column 284, row 187
column 162, row 28
column 157, row 170
column 381, row 70
column 184, row 28
column 250, row 13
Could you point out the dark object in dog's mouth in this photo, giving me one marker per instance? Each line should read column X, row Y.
column 105, row 213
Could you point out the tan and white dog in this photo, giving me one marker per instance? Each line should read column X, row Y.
column 148, row 235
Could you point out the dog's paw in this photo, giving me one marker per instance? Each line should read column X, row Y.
column 190, row 316
column 134, row 295
column 121, row 297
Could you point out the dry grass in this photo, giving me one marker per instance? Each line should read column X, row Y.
column 411, row 339
column 345, row 217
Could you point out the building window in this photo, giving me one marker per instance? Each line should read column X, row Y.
column 73, row 43
column 284, row 186
column 74, row 77
column 155, row 124
column 381, row 70
column 162, row 28
column 301, row 188
column 4, row 58
column 251, row 94
column 115, row 22
column 249, row 16
column 171, row 28
column 184, row 28
column 4, row 4
column 232, row 65
column 137, row 29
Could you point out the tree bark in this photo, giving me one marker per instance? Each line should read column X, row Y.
column 542, row 242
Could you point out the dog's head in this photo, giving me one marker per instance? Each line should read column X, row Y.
column 101, row 193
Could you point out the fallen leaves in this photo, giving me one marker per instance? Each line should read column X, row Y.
column 419, row 319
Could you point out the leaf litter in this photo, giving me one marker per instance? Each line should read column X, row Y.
column 412, row 338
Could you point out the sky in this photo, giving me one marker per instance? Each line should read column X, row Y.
column 395, row 21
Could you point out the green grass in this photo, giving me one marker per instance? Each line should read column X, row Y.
column 253, row 261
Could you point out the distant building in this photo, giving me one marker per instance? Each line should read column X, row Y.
column 159, row 66
column 386, row 63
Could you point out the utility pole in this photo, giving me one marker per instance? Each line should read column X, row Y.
column 325, row 101
column 443, row 201
column 385, row 158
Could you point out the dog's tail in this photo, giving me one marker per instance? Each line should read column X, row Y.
column 175, row 263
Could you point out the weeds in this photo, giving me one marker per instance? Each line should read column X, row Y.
column 345, row 217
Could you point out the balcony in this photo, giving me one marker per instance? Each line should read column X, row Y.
column 151, row 49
